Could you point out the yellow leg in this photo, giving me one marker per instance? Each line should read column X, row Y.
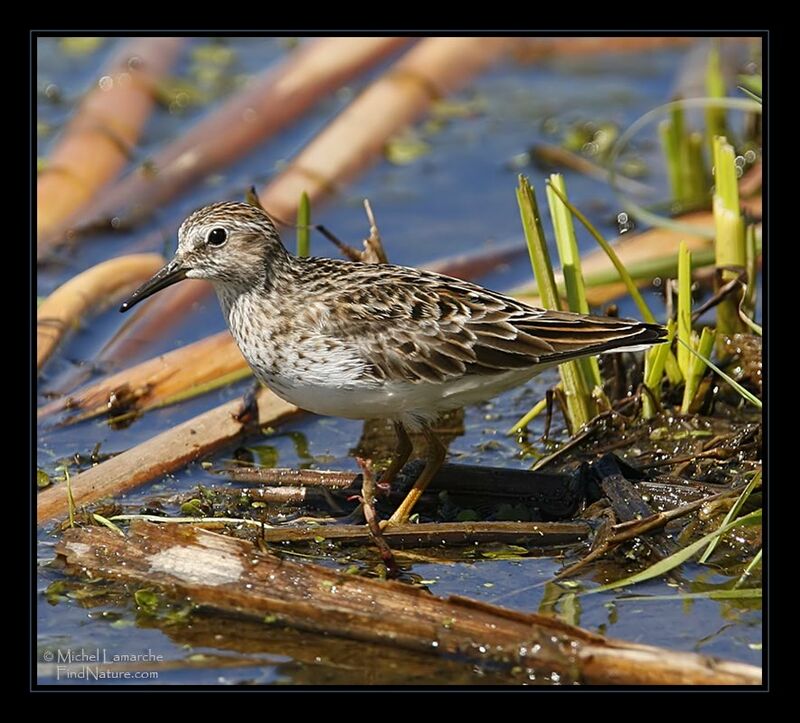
column 401, row 454
column 436, row 455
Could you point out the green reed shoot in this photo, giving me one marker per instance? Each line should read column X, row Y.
column 655, row 360
column 630, row 284
column 304, row 226
column 580, row 405
column 748, row 570
column 751, row 252
column 684, row 306
column 683, row 151
column 570, row 257
column 697, row 367
column 524, row 421
column 729, row 245
column 715, row 88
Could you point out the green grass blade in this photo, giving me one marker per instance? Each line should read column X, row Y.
column 537, row 244
column 733, row 511
column 715, row 87
column 729, row 243
column 697, row 368
column 684, row 306
column 580, row 405
column 654, row 362
column 669, row 563
column 570, row 257
column 304, row 226
column 754, row 400
column 633, row 290
column 669, row 134
column 748, row 570
column 107, row 523
column 523, row 422
column 752, row 86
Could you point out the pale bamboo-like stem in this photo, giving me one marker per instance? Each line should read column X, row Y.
column 431, row 69
column 202, row 435
column 270, row 102
column 154, row 381
column 97, row 142
column 102, row 284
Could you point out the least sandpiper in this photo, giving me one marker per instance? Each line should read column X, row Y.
column 363, row 341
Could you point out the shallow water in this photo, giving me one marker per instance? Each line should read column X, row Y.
column 459, row 196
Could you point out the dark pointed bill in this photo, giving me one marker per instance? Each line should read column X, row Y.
column 171, row 274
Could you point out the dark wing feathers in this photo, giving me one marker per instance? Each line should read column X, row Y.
column 422, row 326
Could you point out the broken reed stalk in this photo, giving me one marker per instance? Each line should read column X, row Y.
column 672, row 368
column 433, row 68
column 98, row 141
column 696, row 368
column 228, row 575
column 433, row 534
column 268, row 103
column 581, row 407
column 683, row 150
column 630, row 285
column 100, row 285
column 715, row 88
column 164, row 453
column 684, row 307
column 570, row 257
column 200, row 365
column 655, row 361
column 730, row 236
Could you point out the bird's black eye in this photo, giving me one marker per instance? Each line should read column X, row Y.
column 217, row 236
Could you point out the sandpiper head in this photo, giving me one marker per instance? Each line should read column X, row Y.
column 229, row 244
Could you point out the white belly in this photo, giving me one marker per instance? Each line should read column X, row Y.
column 403, row 401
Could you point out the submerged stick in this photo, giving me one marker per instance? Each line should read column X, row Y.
column 230, row 576
column 433, row 534
column 104, row 283
column 96, row 144
column 166, row 452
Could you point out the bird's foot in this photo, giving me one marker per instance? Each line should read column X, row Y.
column 248, row 414
column 394, row 521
